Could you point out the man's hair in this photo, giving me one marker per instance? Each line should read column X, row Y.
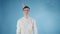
column 26, row 7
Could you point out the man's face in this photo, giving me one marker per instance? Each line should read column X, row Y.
column 26, row 11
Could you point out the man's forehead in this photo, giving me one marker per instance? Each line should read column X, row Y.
column 26, row 9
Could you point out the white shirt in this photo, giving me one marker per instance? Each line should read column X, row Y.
column 26, row 26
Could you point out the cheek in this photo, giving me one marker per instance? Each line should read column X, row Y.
column 26, row 11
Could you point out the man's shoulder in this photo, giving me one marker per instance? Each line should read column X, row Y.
column 20, row 19
column 32, row 18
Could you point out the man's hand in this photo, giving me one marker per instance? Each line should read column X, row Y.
column 23, row 5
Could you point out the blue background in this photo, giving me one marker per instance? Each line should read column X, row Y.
column 46, row 13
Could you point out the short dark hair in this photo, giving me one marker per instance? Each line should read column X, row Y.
column 26, row 7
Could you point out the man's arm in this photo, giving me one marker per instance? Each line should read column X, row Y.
column 18, row 30
column 35, row 27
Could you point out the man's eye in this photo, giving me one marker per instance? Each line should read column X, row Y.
column 25, row 10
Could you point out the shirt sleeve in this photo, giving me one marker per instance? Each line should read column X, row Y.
column 18, row 30
column 35, row 27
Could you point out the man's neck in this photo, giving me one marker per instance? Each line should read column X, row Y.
column 26, row 16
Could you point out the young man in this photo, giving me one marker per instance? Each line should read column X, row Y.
column 26, row 25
